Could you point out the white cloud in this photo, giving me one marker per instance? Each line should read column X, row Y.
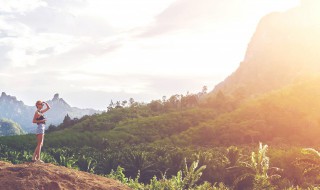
column 20, row 6
column 124, row 14
column 5, row 75
column 190, row 14
column 27, row 50
column 90, row 53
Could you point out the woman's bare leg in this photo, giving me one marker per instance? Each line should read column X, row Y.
column 37, row 151
column 34, row 157
column 40, row 143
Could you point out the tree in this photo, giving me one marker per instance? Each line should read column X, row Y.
column 136, row 162
column 155, row 105
column 204, row 90
column 51, row 128
column 67, row 121
column 164, row 99
column 124, row 103
column 111, row 106
column 233, row 156
column 190, row 100
column 174, row 101
column 256, row 172
column 118, row 105
column 131, row 101
column 310, row 162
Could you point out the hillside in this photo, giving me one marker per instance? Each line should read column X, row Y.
column 92, row 132
column 286, row 116
column 267, row 118
column 50, row 177
column 8, row 128
column 283, row 50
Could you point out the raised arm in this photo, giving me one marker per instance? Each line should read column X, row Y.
column 47, row 107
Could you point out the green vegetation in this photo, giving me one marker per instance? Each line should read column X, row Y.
column 197, row 141
column 8, row 127
column 151, row 167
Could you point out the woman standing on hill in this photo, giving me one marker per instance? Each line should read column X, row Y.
column 40, row 120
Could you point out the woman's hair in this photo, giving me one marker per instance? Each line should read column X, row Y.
column 39, row 102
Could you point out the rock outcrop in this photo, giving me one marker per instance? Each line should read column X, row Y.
column 283, row 50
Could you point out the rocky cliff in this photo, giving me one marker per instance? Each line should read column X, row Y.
column 283, row 50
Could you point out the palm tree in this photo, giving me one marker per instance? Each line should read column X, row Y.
column 256, row 173
column 233, row 156
column 137, row 162
column 192, row 174
column 310, row 162
column 86, row 163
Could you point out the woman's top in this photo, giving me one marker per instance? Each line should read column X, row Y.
column 41, row 117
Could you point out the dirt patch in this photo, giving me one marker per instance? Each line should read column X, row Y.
column 43, row 176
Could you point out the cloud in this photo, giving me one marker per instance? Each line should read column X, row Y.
column 53, row 20
column 191, row 14
column 20, row 6
column 4, row 60
column 48, row 50
column 34, row 30
column 89, row 53
column 183, row 14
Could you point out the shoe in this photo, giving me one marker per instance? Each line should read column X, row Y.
column 40, row 161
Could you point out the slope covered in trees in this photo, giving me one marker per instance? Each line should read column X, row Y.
column 8, row 127
column 287, row 116
column 149, row 142
column 267, row 118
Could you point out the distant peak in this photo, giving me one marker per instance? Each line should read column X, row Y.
column 56, row 97
column 7, row 97
column 3, row 94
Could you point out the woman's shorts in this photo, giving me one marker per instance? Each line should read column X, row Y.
column 40, row 129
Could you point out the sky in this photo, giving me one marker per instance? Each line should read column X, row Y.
column 95, row 51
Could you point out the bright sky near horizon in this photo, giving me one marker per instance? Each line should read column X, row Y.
column 94, row 51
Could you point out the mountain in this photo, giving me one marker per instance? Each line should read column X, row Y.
column 48, row 176
column 283, row 50
column 17, row 111
column 8, row 127
column 281, row 65
column 60, row 108
column 286, row 116
column 289, row 116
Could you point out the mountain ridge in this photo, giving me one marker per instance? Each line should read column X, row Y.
column 16, row 110
column 282, row 50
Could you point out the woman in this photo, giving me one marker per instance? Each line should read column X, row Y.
column 40, row 120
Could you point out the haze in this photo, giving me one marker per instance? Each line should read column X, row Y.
column 94, row 51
